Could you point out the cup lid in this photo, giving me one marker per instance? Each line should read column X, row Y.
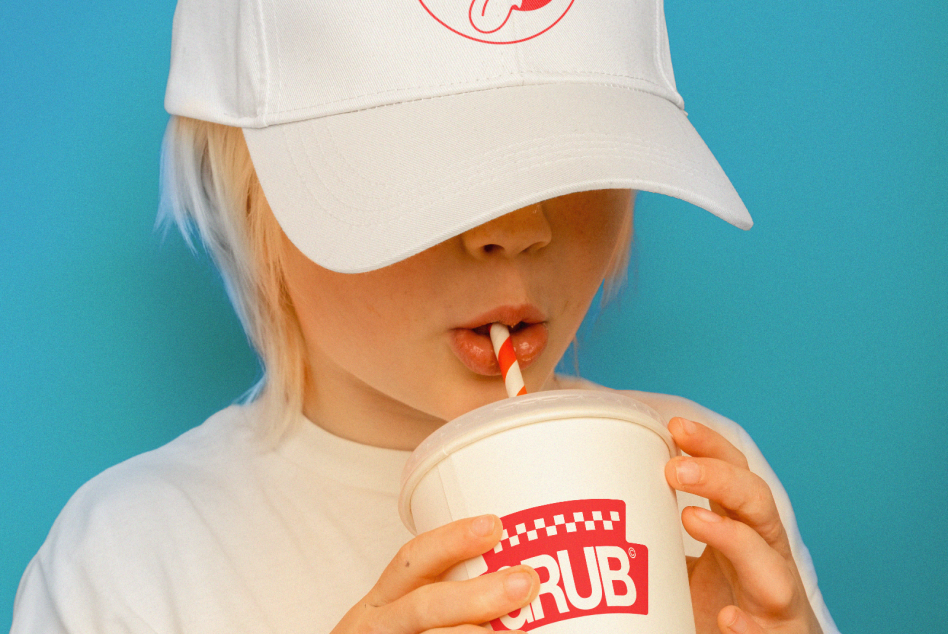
column 517, row 412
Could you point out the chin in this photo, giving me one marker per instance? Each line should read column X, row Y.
column 477, row 392
column 463, row 399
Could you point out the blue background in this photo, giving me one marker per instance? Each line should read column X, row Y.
column 823, row 330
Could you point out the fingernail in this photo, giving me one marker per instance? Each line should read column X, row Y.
column 738, row 625
column 483, row 525
column 687, row 472
column 688, row 426
column 518, row 585
column 707, row 516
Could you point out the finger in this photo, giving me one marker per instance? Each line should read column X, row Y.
column 767, row 579
column 741, row 494
column 733, row 620
column 426, row 557
column 696, row 439
column 466, row 629
column 451, row 603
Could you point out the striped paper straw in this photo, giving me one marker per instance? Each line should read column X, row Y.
column 509, row 368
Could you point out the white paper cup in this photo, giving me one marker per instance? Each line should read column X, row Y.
column 577, row 478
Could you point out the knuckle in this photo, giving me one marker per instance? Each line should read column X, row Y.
column 761, row 497
column 370, row 623
column 783, row 591
column 421, row 604
column 756, row 499
column 490, row 598
column 762, row 508
column 741, row 460
column 407, row 554
column 772, row 531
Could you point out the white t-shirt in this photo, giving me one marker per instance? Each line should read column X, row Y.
column 219, row 532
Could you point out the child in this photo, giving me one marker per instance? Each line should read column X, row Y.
column 379, row 185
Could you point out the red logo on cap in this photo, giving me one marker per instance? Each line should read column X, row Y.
column 585, row 565
column 498, row 21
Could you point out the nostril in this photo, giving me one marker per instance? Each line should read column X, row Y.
column 524, row 231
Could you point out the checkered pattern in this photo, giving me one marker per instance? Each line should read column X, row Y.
column 586, row 521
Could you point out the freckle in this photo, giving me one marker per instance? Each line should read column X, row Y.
column 407, row 563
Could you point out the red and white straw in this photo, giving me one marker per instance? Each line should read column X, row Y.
column 507, row 358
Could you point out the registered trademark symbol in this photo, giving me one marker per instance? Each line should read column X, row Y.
column 631, row 552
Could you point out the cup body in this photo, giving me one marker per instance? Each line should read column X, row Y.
column 577, row 478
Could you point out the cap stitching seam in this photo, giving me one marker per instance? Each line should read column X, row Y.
column 382, row 92
column 469, row 183
column 279, row 61
column 659, row 51
column 394, row 187
column 666, row 157
column 507, row 150
column 262, row 58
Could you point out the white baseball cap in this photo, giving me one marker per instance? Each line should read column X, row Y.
column 379, row 129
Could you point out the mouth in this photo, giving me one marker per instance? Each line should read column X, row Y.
column 484, row 330
column 528, row 333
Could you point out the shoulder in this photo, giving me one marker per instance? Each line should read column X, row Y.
column 123, row 526
column 172, row 481
column 182, row 467
column 144, row 501
column 121, row 503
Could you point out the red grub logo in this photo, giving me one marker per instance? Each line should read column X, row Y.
column 585, row 565
column 498, row 21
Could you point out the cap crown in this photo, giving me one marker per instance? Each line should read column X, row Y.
column 253, row 64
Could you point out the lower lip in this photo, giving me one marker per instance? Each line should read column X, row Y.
column 477, row 353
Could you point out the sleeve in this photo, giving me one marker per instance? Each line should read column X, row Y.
column 758, row 464
column 669, row 407
column 155, row 544
column 34, row 609
column 61, row 606
column 74, row 584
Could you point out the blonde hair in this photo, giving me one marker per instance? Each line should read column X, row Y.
column 617, row 270
column 209, row 189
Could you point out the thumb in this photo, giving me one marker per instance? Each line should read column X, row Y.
column 733, row 620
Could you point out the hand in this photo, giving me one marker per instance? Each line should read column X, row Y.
column 746, row 581
column 411, row 597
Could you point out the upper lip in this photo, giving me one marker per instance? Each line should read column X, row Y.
column 509, row 315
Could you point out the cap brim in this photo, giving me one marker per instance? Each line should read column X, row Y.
column 362, row 190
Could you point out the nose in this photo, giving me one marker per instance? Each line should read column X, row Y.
column 526, row 230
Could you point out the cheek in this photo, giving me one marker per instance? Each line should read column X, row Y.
column 362, row 321
column 343, row 315
column 594, row 240
column 585, row 256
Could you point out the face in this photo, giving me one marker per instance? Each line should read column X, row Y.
column 393, row 353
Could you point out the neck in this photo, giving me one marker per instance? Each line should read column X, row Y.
column 357, row 412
